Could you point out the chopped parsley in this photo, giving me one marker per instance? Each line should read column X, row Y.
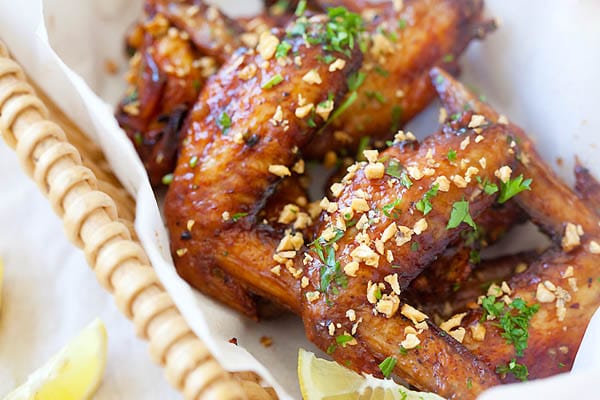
column 274, row 81
column 439, row 80
column 460, row 213
column 224, row 122
column 342, row 29
column 331, row 271
column 518, row 370
column 387, row 366
column 396, row 117
column 451, row 155
column 138, row 138
column 301, row 8
column 402, row 23
column 193, row 161
column 196, row 84
column 363, row 144
column 513, row 187
column 344, row 106
column 414, row 246
column 488, row 187
column 388, row 209
column 283, row 49
column 167, row 179
column 514, row 321
column 424, row 205
column 395, row 170
column 448, row 58
column 377, row 96
column 474, row 257
column 356, row 80
column 403, row 350
column 342, row 340
column 331, row 348
column 237, row 216
column 469, row 383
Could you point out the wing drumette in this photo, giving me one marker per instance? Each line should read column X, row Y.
column 401, row 47
column 533, row 325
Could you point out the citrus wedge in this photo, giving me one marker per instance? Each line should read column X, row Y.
column 74, row 373
column 326, row 380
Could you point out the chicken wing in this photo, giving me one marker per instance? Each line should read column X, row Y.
column 532, row 326
column 245, row 131
column 402, row 46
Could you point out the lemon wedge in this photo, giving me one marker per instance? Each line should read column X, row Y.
column 326, row 380
column 74, row 373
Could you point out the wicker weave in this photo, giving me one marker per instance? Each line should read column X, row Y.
column 98, row 217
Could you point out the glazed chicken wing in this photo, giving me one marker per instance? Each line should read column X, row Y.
column 402, row 46
column 531, row 326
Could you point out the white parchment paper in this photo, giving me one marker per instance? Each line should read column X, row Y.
column 540, row 69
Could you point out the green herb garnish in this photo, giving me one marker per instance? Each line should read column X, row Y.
column 193, row 161
column 424, row 205
column 274, row 81
column 460, row 213
column 387, row 366
column 301, row 8
column 167, row 179
column 224, row 121
column 388, row 209
column 451, row 155
column 518, row 370
column 513, row 187
column 236, row 217
column 283, row 49
column 343, row 339
column 356, row 80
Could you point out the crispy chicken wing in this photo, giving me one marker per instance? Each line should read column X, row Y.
column 246, row 131
column 539, row 335
column 402, row 46
column 164, row 83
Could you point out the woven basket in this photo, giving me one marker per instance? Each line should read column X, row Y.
column 98, row 217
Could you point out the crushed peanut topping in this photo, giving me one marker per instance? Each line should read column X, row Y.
column 324, row 109
column 453, row 322
column 337, row 65
column 479, row 138
column 476, row 121
column 304, row 110
column 372, row 290
column 458, row 334
column 389, row 232
column 410, row 341
column 568, row 272
column 405, row 235
column 503, row 173
column 483, row 162
column 279, row 170
column 478, row 331
column 415, row 173
column 267, row 45
column 413, row 314
column 304, row 282
column 572, row 238
column 465, row 143
column 351, row 315
column 364, row 253
column 248, row 72
column 371, row 155
column 312, row 77
column 543, row 294
column 459, row 181
column 299, row 167
column 225, row 216
column 443, row 183
column 312, row 296
column 594, row 247
column 392, row 280
column 276, row 270
column 443, row 115
column 351, row 268
column 336, row 189
column 375, row 171
column 359, row 205
column 388, row 305
column 420, row 226
column 503, row 120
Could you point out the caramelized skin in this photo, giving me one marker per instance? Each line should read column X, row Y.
column 408, row 261
column 456, row 267
column 232, row 174
column 553, row 342
column 213, row 33
column 540, row 209
column 165, row 84
column 587, row 187
column 445, row 297
column 396, row 84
